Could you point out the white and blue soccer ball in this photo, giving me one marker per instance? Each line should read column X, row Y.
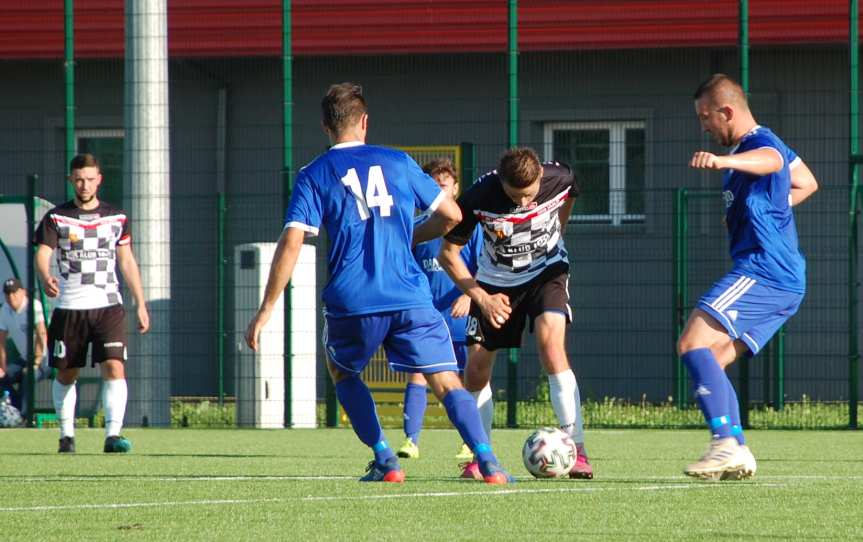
column 549, row 453
column 9, row 415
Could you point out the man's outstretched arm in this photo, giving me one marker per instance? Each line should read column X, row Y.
column 755, row 162
column 284, row 261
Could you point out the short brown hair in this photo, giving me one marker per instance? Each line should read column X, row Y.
column 83, row 160
column 437, row 166
column 342, row 106
column 519, row 167
column 721, row 88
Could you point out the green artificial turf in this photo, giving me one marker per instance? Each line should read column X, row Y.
column 185, row 484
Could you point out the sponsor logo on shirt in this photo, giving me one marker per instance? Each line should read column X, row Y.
column 526, row 248
column 92, row 254
column 431, row 265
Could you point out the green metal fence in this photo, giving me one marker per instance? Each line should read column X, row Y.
column 637, row 267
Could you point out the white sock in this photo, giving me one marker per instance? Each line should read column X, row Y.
column 486, row 408
column 64, row 405
column 566, row 402
column 114, row 395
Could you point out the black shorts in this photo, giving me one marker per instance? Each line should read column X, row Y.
column 547, row 292
column 72, row 331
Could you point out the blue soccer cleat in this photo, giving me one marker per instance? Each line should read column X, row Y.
column 390, row 471
column 493, row 473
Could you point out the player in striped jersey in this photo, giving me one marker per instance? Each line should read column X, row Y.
column 522, row 277
column 763, row 179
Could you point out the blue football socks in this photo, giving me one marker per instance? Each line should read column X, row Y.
column 734, row 410
column 711, row 390
column 415, row 409
column 461, row 409
column 359, row 405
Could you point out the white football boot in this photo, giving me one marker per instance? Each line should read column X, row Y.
column 722, row 455
column 747, row 470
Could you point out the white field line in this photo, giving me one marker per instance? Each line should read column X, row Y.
column 271, row 478
column 439, row 494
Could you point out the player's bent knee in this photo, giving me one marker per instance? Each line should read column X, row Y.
column 444, row 382
column 687, row 343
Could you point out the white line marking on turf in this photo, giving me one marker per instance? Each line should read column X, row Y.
column 54, row 479
column 490, row 493
column 271, row 478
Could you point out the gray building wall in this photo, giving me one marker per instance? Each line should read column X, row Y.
column 621, row 340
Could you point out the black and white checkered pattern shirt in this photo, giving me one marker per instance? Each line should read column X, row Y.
column 85, row 243
column 518, row 242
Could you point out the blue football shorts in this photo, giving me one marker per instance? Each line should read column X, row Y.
column 749, row 310
column 460, row 348
column 415, row 341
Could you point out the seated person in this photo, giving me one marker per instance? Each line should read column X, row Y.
column 13, row 325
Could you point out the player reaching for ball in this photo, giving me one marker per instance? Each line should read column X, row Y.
column 522, row 276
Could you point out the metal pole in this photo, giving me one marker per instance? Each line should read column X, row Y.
column 677, row 301
column 854, row 137
column 779, row 370
column 220, row 299
column 682, row 378
column 30, row 356
column 468, row 165
column 743, row 49
column 287, row 181
column 69, row 76
column 513, row 355
column 768, row 357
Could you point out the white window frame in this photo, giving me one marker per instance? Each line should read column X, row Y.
column 616, row 166
column 117, row 133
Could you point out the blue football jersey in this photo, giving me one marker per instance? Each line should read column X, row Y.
column 443, row 290
column 761, row 229
column 365, row 197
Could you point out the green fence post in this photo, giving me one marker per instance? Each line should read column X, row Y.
column 681, row 289
column 332, row 404
column 676, row 297
column 512, row 388
column 30, row 357
column 69, row 78
column 468, row 165
column 854, row 119
column 767, row 361
column 743, row 50
column 779, row 372
column 512, row 366
column 220, row 295
column 287, row 167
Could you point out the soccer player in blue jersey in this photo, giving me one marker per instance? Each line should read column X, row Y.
column 763, row 179
column 448, row 299
column 365, row 197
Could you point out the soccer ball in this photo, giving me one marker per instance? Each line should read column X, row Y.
column 549, row 453
column 9, row 415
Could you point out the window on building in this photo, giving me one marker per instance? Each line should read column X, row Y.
column 107, row 146
column 609, row 157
